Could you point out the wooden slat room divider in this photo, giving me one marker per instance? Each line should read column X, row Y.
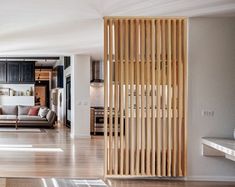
column 145, row 73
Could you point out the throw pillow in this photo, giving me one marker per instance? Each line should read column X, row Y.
column 33, row 111
column 43, row 112
column 23, row 110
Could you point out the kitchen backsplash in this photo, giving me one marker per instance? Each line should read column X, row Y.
column 97, row 96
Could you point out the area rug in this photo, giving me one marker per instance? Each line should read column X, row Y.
column 22, row 130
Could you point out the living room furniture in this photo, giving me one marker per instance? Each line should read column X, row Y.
column 17, row 116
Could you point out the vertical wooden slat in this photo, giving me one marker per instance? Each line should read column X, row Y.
column 138, row 127
column 174, row 101
column 127, row 97
column 164, row 130
column 121, row 99
column 142, row 98
column 153, row 86
column 185, row 66
column 132, row 157
column 110, row 96
column 148, row 126
column 153, row 139
column 158, row 79
column 116, row 99
column 169, row 136
column 105, row 96
column 180, row 95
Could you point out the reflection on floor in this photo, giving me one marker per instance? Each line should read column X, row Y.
column 53, row 182
column 80, row 160
column 39, row 155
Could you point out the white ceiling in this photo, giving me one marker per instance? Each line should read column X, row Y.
column 62, row 27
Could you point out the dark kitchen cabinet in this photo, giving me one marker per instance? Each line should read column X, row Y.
column 67, row 62
column 13, row 72
column 20, row 72
column 3, row 72
column 27, row 72
column 58, row 77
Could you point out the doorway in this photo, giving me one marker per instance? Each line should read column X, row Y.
column 42, row 93
column 68, row 101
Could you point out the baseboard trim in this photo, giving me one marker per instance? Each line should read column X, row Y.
column 211, row 178
column 79, row 136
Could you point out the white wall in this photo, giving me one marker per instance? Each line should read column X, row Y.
column 80, row 96
column 18, row 100
column 211, row 87
column 97, row 96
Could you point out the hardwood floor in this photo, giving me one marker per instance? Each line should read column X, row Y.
column 45, row 182
column 80, row 158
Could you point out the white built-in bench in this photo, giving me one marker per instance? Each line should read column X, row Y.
column 219, row 147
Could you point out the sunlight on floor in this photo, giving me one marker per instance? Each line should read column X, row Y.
column 27, row 148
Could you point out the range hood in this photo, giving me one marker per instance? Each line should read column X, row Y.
column 97, row 76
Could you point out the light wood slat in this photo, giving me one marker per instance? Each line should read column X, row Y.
column 138, row 124
column 158, row 79
column 142, row 97
column 174, row 162
column 180, row 71
column 145, row 70
column 145, row 17
column 185, row 79
column 148, row 127
column 132, row 152
column 153, row 42
column 105, row 96
column 164, row 131
column 127, row 97
column 121, row 99
column 116, row 96
column 169, row 135
column 110, row 96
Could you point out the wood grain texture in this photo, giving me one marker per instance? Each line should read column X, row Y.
column 180, row 96
column 121, row 99
column 158, row 78
column 75, row 161
column 164, row 130
column 148, row 112
column 106, row 96
column 127, row 142
column 132, row 129
column 185, row 99
column 29, row 182
column 169, row 98
column 110, row 97
column 116, row 97
column 143, row 128
column 150, row 96
column 138, row 124
column 174, row 100
column 153, row 96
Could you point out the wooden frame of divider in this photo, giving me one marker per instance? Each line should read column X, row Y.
column 145, row 88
